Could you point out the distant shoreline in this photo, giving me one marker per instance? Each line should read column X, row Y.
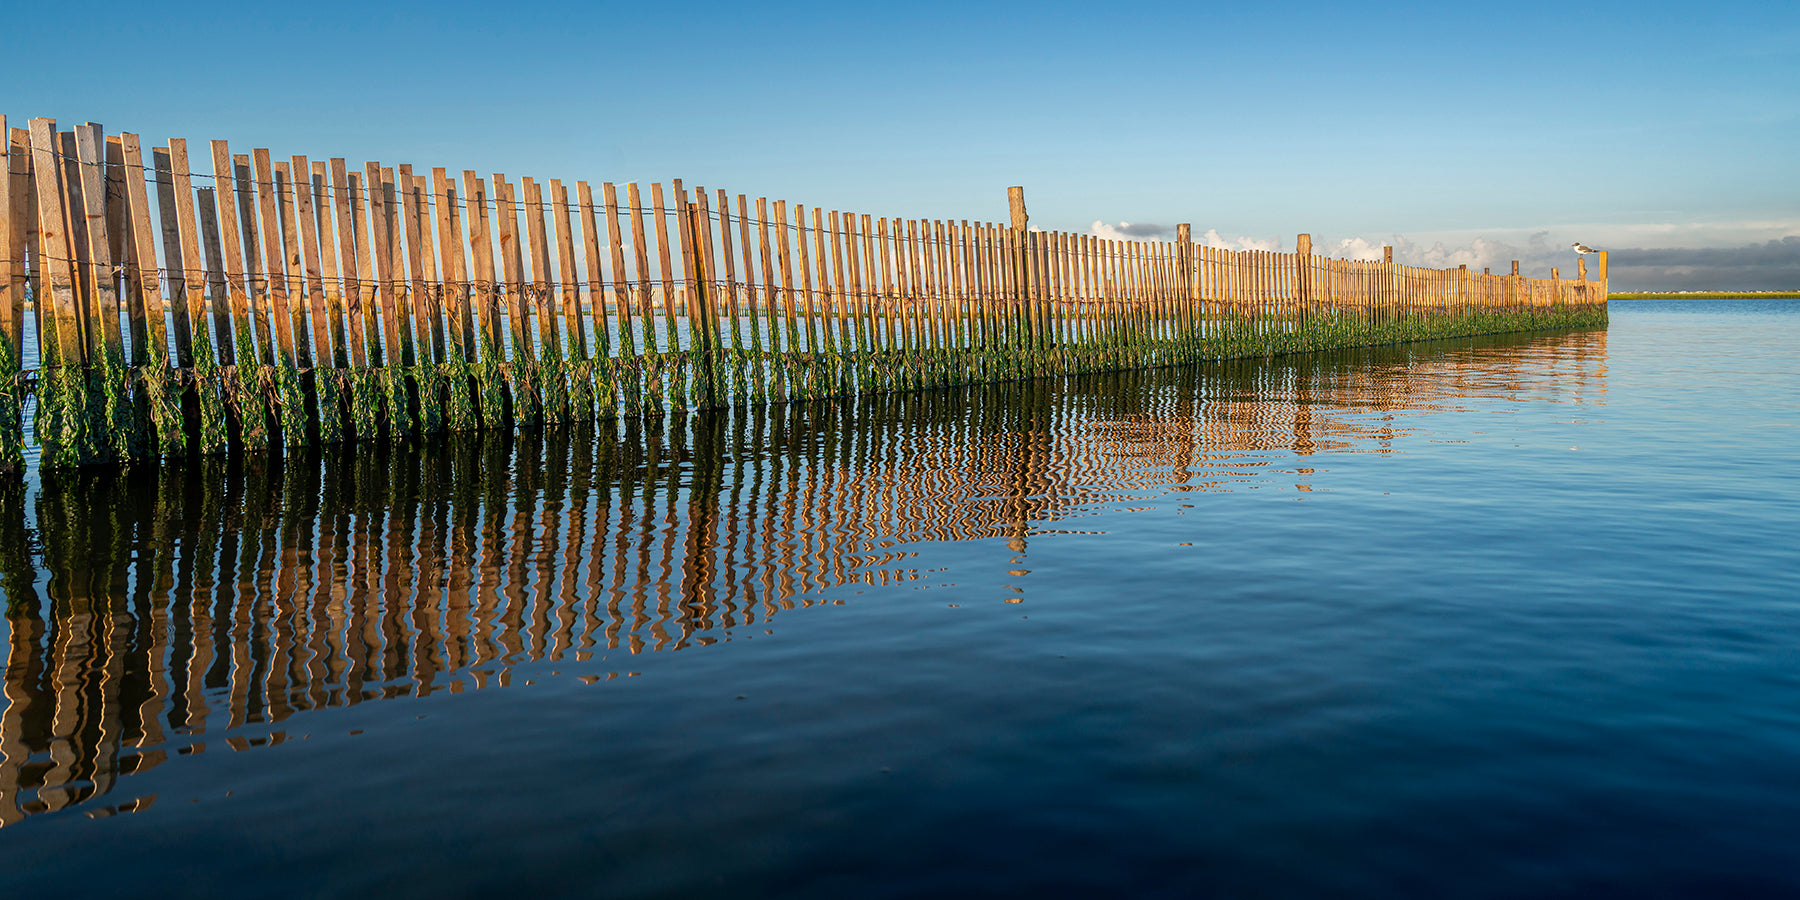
column 1703, row 295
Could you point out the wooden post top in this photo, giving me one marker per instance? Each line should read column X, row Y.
column 1303, row 244
column 1387, row 254
column 1602, row 272
column 1184, row 233
column 1015, row 201
column 1464, row 267
column 1581, row 268
column 1515, row 267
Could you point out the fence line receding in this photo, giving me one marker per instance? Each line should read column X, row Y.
column 157, row 302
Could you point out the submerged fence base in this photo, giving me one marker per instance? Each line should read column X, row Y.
column 121, row 415
column 297, row 302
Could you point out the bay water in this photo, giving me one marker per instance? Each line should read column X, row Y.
column 1508, row 616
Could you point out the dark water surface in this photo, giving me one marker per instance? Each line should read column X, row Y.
column 1516, row 616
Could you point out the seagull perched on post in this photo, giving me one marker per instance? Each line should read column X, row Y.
column 1582, row 248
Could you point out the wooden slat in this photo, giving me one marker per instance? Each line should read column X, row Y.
column 121, row 249
column 19, row 216
column 411, row 268
column 868, row 285
column 194, row 275
column 74, row 225
column 12, row 246
column 379, row 182
column 237, row 299
column 563, row 284
column 688, row 264
column 621, row 285
column 175, row 251
column 488, row 302
column 543, row 295
column 943, row 282
column 567, row 277
column 412, row 279
column 255, row 285
column 958, row 236
column 543, row 277
column 102, row 280
column 596, row 277
column 431, row 274
column 64, row 346
column 153, row 347
column 906, row 277
column 274, row 254
column 730, row 305
column 307, row 184
column 685, row 262
column 708, row 304
column 743, row 210
column 659, row 226
column 884, row 296
column 353, row 255
column 512, row 264
column 288, row 188
column 827, row 240
column 646, row 310
column 452, row 256
column 906, row 272
column 804, row 295
column 784, row 252
column 325, row 207
column 857, row 301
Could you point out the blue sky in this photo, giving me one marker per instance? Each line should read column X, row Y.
column 1460, row 133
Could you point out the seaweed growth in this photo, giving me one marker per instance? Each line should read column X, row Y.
column 12, row 432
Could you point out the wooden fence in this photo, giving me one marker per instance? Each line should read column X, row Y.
column 150, row 309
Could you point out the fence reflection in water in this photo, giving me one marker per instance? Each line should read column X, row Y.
column 150, row 609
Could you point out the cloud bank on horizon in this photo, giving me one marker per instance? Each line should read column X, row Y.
column 1767, row 265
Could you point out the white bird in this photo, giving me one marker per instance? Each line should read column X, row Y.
column 1583, row 248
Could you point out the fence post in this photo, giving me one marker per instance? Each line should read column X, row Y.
column 1302, row 272
column 1390, row 278
column 1184, row 268
column 1024, row 289
column 700, row 313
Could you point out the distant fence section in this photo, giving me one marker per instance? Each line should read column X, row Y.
column 162, row 303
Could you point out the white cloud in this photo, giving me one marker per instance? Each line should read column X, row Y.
column 1213, row 239
column 1130, row 231
column 1350, row 248
column 1726, row 264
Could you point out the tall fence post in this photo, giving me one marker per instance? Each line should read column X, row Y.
column 1302, row 273
column 1189, row 294
column 1390, row 279
column 1022, row 269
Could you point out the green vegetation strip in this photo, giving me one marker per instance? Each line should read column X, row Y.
column 1703, row 295
column 107, row 413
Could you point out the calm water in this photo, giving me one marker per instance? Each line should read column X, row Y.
column 1505, row 617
